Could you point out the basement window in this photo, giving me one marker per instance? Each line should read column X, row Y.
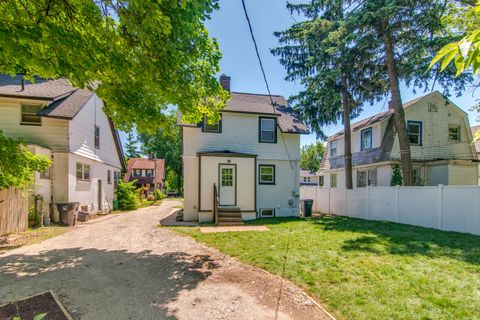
column 267, row 212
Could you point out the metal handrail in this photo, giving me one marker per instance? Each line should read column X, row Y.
column 216, row 200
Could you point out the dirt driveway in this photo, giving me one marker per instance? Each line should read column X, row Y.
column 126, row 267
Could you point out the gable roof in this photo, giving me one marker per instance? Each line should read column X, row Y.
column 477, row 142
column 379, row 116
column 260, row 104
column 142, row 163
column 63, row 100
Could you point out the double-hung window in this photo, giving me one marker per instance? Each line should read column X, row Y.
column 268, row 130
column 29, row 115
column 109, row 176
column 366, row 139
column 367, row 178
column 266, row 174
column 361, row 179
column 321, row 181
column 333, row 148
column 333, row 180
column 372, row 177
column 414, row 129
column 83, row 172
column 149, row 172
column 212, row 127
column 454, row 133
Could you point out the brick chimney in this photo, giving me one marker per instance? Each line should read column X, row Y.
column 225, row 82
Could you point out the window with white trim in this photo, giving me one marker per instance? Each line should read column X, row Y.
column 414, row 129
column 361, row 178
column 366, row 139
column 333, row 180
column 215, row 127
column 453, row 133
column 333, row 148
column 83, row 172
column 268, row 133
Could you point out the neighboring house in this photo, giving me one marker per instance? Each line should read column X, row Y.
column 252, row 155
column 67, row 125
column 475, row 129
column 440, row 139
column 148, row 173
column 310, row 179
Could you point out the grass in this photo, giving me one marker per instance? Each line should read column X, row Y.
column 362, row 269
column 31, row 236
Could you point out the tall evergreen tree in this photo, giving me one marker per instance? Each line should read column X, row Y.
column 407, row 34
column 131, row 147
column 324, row 53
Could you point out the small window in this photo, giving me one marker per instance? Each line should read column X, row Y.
column 97, row 137
column 149, row 172
column 266, row 174
column 414, row 129
column 29, row 115
column 83, row 172
column 417, row 177
column 361, row 179
column 321, row 181
column 109, row 176
column 333, row 148
column 366, row 139
column 372, row 177
column 45, row 174
column 116, row 178
column 137, row 172
column 268, row 130
column 454, row 133
column 227, row 177
column 267, row 212
column 214, row 127
column 333, row 180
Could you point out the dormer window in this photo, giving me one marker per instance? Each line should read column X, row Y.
column 333, row 148
column 366, row 139
column 29, row 115
column 214, row 127
column 268, row 132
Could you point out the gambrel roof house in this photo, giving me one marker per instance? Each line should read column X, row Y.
column 68, row 125
column 440, row 140
column 250, row 158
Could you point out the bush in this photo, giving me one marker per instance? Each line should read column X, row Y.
column 159, row 194
column 127, row 195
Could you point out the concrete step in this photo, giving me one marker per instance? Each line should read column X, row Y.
column 225, row 224
column 230, row 219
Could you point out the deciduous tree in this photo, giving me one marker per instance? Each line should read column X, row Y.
column 311, row 156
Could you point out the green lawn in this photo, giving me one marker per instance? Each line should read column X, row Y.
column 362, row 269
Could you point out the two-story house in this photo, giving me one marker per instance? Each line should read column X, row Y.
column 251, row 156
column 67, row 125
column 308, row 178
column 440, row 141
column 148, row 173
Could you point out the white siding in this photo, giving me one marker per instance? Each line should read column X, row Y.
column 52, row 134
column 42, row 187
column 240, row 134
column 462, row 174
column 82, row 134
column 435, row 142
column 60, row 178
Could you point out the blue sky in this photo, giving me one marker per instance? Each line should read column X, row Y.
column 229, row 27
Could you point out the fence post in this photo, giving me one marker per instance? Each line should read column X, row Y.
column 346, row 200
column 329, row 200
column 440, row 206
column 397, row 205
column 315, row 198
column 368, row 202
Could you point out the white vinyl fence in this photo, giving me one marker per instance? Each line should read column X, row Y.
column 450, row 208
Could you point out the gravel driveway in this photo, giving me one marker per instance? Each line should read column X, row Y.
column 126, row 267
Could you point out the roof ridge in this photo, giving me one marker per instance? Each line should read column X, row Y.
column 259, row 94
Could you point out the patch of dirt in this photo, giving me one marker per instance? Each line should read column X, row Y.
column 16, row 240
column 27, row 308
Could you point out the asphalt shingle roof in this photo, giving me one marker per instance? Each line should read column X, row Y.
column 261, row 104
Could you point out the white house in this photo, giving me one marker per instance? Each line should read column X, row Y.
column 252, row 156
column 476, row 129
column 68, row 125
column 440, row 140
column 308, row 178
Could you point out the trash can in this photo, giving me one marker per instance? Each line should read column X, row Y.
column 115, row 204
column 68, row 212
column 308, row 204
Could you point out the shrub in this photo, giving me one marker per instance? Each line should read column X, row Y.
column 397, row 179
column 127, row 195
column 159, row 194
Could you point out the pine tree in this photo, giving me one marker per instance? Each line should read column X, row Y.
column 131, row 147
column 324, row 53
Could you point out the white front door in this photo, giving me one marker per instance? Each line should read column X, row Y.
column 227, row 184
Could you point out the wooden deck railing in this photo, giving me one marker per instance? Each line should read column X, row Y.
column 216, row 200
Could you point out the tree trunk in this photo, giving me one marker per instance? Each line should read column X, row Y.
column 398, row 112
column 347, row 132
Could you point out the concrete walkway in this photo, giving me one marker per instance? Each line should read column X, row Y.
column 126, row 267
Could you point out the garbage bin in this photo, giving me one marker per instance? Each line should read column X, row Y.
column 115, row 204
column 308, row 204
column 68, row 212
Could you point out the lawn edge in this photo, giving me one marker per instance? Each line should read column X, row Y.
column 260, row 269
